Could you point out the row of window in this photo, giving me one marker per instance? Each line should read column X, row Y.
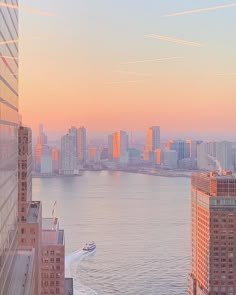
column 46, row 260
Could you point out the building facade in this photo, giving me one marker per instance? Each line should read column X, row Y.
column 120, row 144
column 53, row 258
column 153, row 142
column 181, row 147
column 213, row 234
column 55, row 160
column 9, row 121
column 46, row 160
column 24, row 171
column 69, row 153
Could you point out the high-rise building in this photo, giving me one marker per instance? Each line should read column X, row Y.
column 53, row 258
column 213, row 234
column 193, row 145
column 82, row 145
column 153, row 142
column 69, row 153
column 29, row 212
column 158, row 156
column 55, row 160
column 181, row 147
column 46, row 160
column 24, row 171
column 169, row 159
column 94, row 154
column 120, row 144
column 42, row 137
column 41, row 140
column 9, row 121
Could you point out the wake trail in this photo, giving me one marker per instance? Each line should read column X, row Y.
column 72, row 259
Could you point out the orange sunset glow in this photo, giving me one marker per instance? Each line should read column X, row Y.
column 92, row 68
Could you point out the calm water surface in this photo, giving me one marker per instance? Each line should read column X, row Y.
column 141, row 226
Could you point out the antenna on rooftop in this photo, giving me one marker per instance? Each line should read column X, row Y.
column 54, row 219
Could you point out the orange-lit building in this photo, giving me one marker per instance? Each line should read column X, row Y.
column 213, row 234
column 153, row 142
column 41, row 140
column 55, row 160
column 120, row 144
column 158, row 157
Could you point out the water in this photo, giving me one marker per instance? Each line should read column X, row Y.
column 141, row 226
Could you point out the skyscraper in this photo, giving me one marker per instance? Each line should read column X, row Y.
column 29, row 212
column 120, row 144
column 69, row 153
column 24, row 171
column 182, row 148
column 9, row 121
column 213, row 234
column 82, row 144
column 153, row 142
column 41, row 140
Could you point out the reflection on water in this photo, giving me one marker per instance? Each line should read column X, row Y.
column 141, row 226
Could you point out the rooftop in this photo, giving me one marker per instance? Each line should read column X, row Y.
column 53, row 237
column 50, row 224
column 51, row 234
column 34, row 210
column 21, row 276
column 215, row 184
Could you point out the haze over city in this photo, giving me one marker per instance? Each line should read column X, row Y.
column 117, row 147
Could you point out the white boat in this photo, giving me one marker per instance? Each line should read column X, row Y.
column 89, row 247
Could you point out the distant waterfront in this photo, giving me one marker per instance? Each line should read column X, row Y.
column 137, row 170
column 140, row 223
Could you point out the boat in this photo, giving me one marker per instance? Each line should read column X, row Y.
column 89, row 247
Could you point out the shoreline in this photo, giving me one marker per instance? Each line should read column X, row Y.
column 160, row 173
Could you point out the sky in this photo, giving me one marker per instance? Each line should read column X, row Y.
column 129, row 64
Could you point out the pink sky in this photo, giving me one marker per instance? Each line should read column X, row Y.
column 88, row 68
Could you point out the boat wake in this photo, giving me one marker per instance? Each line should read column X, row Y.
column 70, row 266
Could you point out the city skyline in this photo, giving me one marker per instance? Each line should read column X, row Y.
column 175, row 70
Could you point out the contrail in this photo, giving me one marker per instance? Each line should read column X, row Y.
column 132, row 73
column 174, row 40
column 125, row 82
column 200, row 10
column 152, row 60
column 36, row 11
column 227, row 74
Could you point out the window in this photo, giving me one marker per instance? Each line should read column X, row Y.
column 32, row 230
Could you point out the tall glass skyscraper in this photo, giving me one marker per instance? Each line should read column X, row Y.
column 8, row 138
column 153, row 142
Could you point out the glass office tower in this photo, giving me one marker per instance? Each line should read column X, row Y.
column 8, row 138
